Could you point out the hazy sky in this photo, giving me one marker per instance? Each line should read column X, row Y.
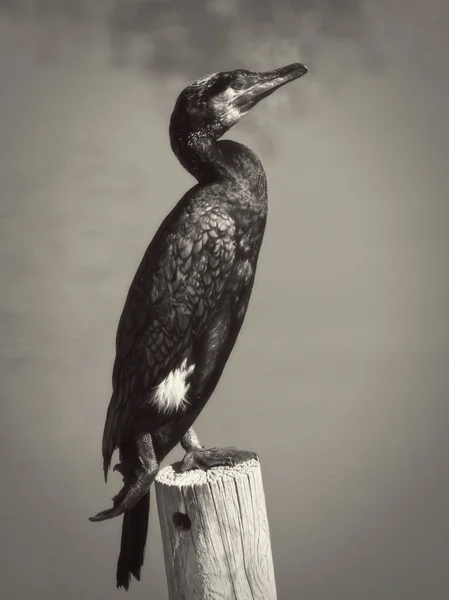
column 340, row 376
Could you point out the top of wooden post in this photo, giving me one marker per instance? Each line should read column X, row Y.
column 168, row 475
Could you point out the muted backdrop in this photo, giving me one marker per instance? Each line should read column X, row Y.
column 340, row 376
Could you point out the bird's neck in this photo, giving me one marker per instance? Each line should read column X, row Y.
column 199, row 155
column 208, row 159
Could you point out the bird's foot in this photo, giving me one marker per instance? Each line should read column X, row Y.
column 128, row 496
column 128, row 471
column 204, row 459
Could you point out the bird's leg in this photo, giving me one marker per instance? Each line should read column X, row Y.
column 198, row 457
column 190, row 441
column 135, row 487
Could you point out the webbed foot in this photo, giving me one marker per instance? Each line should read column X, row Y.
column 137, row 480
column 204, row 459
column 103, row 515
column 128, row 496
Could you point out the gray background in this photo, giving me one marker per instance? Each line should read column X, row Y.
column 340, row 376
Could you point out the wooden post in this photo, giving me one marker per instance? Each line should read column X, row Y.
column 215, row 533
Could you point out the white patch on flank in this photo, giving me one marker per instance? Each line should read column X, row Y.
column 170, row 394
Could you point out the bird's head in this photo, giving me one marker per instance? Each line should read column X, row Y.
column 210, row 106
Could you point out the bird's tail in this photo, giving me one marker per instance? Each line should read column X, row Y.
column 134, row 537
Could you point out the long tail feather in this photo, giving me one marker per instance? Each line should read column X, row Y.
column 134, row 537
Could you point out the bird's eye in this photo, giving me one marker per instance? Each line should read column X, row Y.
column 238, row 85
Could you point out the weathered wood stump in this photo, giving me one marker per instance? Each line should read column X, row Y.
column 215, row 533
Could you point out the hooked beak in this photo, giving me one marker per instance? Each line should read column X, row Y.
column 268, row 82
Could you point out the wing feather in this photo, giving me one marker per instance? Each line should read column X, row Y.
column 173, row 296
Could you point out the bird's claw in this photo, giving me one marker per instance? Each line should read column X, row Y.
column 104, row 515
column 127, row 471
column 204, row 459
column 128, row 496
column 116, row 509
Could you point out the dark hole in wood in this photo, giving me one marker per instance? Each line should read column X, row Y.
column 182, row 521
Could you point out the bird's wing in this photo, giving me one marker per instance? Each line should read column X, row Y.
column 171, row 300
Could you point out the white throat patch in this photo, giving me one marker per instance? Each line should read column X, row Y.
column 170, row 394
column 223, row 108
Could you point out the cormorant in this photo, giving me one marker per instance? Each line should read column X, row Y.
column 188, row 299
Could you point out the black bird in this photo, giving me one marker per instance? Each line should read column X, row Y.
column 188, row 299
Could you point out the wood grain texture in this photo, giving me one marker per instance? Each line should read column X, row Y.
column 225, row 553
